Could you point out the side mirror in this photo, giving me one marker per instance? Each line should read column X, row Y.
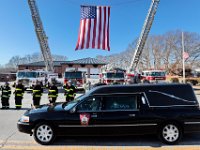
column 73, row 110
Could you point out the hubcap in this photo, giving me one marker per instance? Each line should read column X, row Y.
column 170, row 133
column 44, row 133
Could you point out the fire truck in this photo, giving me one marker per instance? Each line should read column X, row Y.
column 133, row 77
column 29, row 77
column 153, row 76
column 78, row 78
column 113, row 76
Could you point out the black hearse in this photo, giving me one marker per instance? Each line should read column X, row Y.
column 168, row 110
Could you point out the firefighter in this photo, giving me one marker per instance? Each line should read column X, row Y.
column 19, row 92
column 53, row 93
column 115, row 82
column 70, row 91
column 37, row 93
column 5, row 95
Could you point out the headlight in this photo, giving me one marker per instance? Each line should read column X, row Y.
column 24, row 119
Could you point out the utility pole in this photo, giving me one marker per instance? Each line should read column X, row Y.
column 183, row 52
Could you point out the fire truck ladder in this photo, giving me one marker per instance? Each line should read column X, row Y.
column 144, row 34
column 42, row 38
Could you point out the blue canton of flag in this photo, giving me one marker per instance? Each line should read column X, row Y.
column 88, row 12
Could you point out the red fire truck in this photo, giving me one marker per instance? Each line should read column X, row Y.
column 153, row 76
column 77, row 78
column 113, row 76
column 133, row 77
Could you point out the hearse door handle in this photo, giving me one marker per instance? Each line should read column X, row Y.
column 131, row 115
column 94, row 115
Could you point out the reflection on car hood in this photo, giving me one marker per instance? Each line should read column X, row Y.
column 47, row 108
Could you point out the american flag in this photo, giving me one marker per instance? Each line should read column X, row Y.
column 94, row 28
column 185, row 55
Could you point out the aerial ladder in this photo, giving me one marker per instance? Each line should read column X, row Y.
column 42, row 38
column 144, row 34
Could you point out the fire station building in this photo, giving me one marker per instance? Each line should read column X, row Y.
column 89, row 65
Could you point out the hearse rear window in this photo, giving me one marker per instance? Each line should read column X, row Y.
column 120, row 102
column 157, row 98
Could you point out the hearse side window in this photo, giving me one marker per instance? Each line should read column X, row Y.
column 91, row 104
column 120, row 102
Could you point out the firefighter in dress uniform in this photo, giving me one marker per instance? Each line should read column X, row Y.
column 53, row 93
column 19, row 92
column 37, row 94
column 70, row 91
column 5, row 95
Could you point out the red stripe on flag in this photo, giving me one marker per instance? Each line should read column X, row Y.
column 108, row 28
column 77, row 44
column 88, row 34
column 83, row 36
column 99, row 34
column 94, row 33
column 104, row 29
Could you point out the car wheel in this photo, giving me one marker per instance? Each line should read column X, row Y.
column 170, row 133
column 44, row 134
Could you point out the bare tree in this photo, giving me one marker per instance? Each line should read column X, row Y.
column 35, row 57
column 161, row 52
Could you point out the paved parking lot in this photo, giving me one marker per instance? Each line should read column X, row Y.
column 10, row 138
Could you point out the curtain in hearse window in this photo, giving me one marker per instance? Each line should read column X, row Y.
column 120, row 102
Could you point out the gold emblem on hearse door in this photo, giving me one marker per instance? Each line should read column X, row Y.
column 85, row 118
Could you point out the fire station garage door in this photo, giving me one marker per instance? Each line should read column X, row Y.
column 94, row 73
column 83, row 70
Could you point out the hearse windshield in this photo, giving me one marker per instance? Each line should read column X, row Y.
column 73, row 75
column 68, row 105
column 114, row 75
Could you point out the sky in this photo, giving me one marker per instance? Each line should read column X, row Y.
column 61, row 20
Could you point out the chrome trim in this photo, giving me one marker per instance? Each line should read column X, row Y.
column 191, row 122
column 116, row 94
column 23, row 123
column 145, row 96
column 117, row 125
column 99, row 111
column 173, row 106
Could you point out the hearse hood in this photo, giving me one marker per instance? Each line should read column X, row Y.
column 47, row 108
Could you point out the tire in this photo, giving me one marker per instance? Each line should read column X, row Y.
column 44, row 133
column 170, row 133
